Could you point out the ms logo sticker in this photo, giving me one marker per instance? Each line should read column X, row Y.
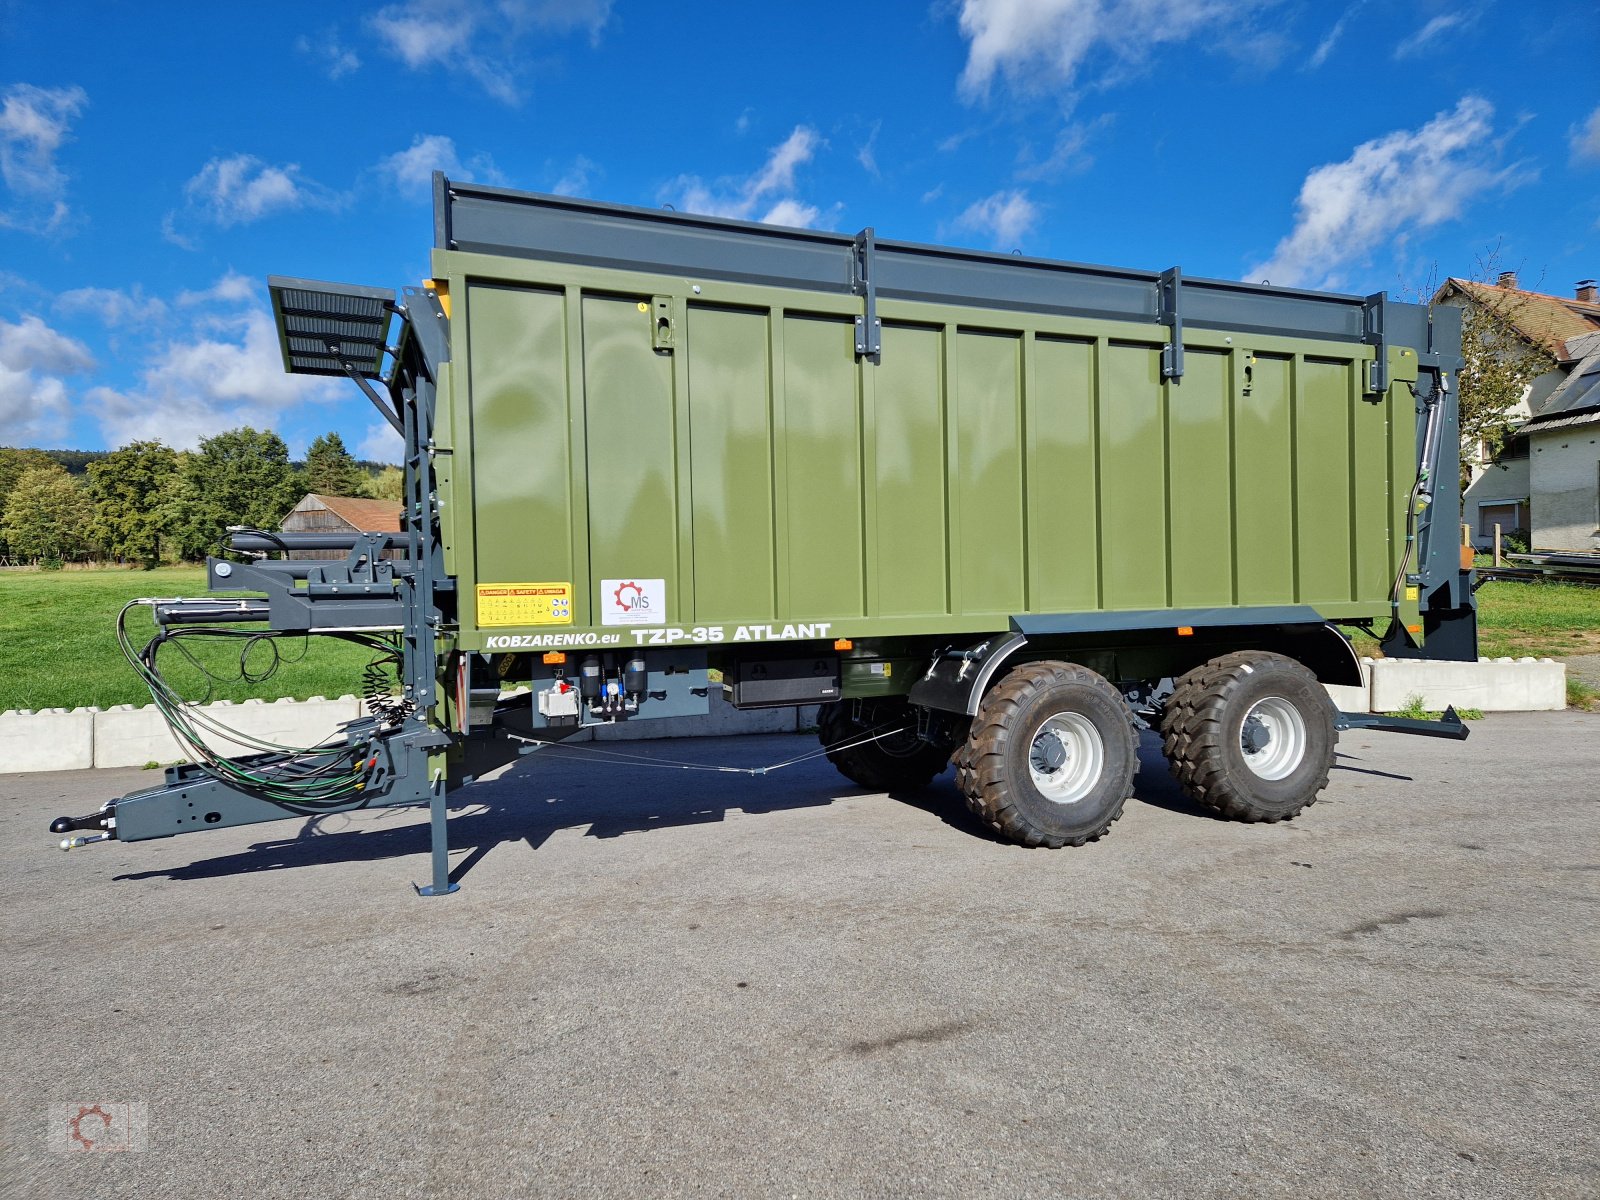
column 633, row 601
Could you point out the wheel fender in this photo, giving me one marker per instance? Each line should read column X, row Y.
column 956, row 679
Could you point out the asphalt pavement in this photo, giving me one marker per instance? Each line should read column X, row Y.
column 662, row 982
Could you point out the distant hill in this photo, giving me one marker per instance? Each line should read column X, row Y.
column 75, row 461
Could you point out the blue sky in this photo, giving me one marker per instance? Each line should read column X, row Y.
column 155, row 168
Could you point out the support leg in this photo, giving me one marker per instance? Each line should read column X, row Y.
column 437, row 821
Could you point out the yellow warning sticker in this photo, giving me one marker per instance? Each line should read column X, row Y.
column 524, row 604
column 1412, row 593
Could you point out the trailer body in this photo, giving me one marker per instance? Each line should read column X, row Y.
column 991, row 457
column 981, row 506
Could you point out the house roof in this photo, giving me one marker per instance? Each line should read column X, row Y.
column 366, row 516
column 1577, row 400
column 1548, row 322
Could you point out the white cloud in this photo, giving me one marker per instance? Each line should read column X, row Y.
column 867, row 155
column 793, row 213
column 768, row 191
column 231, row 288
column 1005, row 218
column 337, row 60
column 574, row 180
column 1070, row 152
column 413, row 168
column 240, row 188
column 381, row 444
column 113, row 307
column 34, row 124
column 1586, row 139
column 1038, row 44
column 454, row 33
column 227, row 372
column 34, row 404
column 1430, row 32
column 1404, row 181
column 1326, row 46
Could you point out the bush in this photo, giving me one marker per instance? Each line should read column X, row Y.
column 1516, row 541
column 51, row 562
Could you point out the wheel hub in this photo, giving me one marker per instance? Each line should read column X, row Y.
column 1066, row 758
column 1272, row 738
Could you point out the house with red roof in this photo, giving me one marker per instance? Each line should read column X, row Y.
column 1546, row 480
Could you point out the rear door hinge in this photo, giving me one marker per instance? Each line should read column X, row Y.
column 863, row 282
column 1372, row 322
column 1169, row 292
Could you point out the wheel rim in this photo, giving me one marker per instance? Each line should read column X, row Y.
column 1067, row 758
column 1272, row 738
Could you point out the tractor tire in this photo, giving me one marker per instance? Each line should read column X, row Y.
column 1250, row 735
column 1051, row 756
column 898, row 763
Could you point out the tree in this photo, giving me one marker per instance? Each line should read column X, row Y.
column 330, row 471
column 387, row 484
column 48, row 515
column 131, row 489
column 240, row 477
column 13, row 463
column 1498, row 364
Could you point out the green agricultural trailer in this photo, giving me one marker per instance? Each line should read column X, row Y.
column 987, row 510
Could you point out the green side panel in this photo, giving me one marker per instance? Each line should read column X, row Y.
column 1322, row 483
column 1063, row 481
column 822, row 449
column 989, row 457
column 1201, row 479
column 521, row 460
column 1263, row 532
column 633, row 515
column 908, row 471
column 1133, row 502
column 1370, row 493
column 730, row 451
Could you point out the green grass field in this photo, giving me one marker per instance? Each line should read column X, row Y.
column 1539, row 619
column 58, row 646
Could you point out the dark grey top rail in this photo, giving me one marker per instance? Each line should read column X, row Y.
column 499, row 221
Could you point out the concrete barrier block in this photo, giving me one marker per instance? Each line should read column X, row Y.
column 1501, row 685
column 125, row 736
column 57, row 739
column 130, row 737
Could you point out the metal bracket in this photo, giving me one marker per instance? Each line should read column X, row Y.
column 1372, row 323
column 384, row 410
column 662, row 335
column 1169, row 312
column 869, row 330
column 1449, row 726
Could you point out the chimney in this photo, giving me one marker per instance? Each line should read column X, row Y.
column 1586, row 291
column 1507, row 280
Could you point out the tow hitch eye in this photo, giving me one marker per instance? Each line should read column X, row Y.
column 102, row 822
